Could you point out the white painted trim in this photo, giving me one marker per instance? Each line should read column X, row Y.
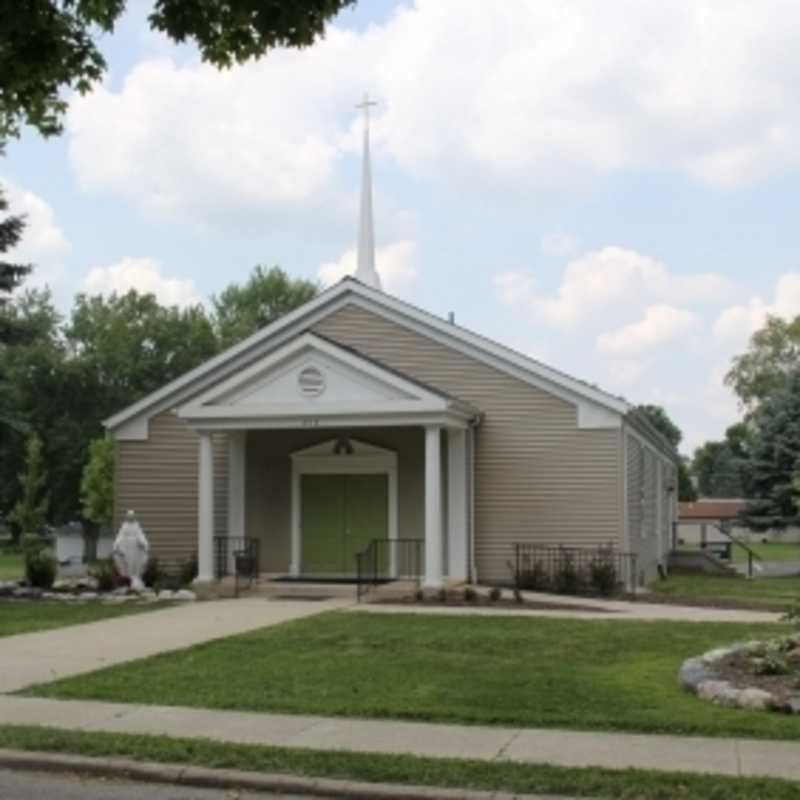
column 205, row 510
column 313, row 421
column 433, row 507
column 376, row 461
column 329, row 301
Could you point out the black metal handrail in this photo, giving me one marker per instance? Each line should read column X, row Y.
column 751, row 554
column 573, row 570
column 385, row 560
column 235, row 555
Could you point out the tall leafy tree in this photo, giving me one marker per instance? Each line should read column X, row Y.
column 268, row 294
column 97, row 481
column 721, row 468
column 50, row 46
column 775, row 458
column 660, row 420
column 773, row 352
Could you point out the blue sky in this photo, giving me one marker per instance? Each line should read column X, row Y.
column 612, row 191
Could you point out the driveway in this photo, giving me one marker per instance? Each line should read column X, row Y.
column 48, row 655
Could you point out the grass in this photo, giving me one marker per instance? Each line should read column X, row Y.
column 767, row 592
column 25, row 616
column 771, row 551
column 532, row 672
column 453, row 773
column 12, row 567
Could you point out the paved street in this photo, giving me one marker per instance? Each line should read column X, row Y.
column 43, row 786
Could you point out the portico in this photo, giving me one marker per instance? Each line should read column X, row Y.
column 327, row 450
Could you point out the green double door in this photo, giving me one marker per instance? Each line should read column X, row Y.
column 341, row 515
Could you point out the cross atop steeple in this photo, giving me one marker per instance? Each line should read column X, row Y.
column 365, row 270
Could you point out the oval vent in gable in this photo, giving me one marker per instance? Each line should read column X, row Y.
column 311, row 382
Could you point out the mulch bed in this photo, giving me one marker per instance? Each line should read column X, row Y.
column 738, row 671
column 484, row 602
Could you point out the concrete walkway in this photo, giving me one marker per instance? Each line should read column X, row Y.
column 742, row 757
column 31, row 658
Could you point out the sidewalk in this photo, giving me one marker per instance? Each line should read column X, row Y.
column 742, row 757
column 48, row 655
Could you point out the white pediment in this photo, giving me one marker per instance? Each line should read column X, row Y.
column 312, row 373
column 341, row 446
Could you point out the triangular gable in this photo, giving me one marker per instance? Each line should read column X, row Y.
column 310, row 375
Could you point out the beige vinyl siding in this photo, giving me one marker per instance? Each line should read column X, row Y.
column 650, row 506
column 538, row 477
column 157, row 478
column 269, row 475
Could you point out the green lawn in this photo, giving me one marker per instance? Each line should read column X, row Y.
column 11, row 565
column 769, row 592
column 772, row 551
column 372, row 767
column 533, row 672
column 24, row 616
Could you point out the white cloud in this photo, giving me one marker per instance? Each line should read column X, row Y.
column 660, row 325
column 610, row 278
column 43, row 243
column 735, row 324
column 395, row 263
column 521, row 92
column 144, row 275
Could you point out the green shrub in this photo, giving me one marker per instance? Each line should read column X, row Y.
column 153, row 576
column 41, row 568
column 603, row 575
column 106, row 575
column 567, row 578
column 188, row 570
column 470, row 595
column 495, row 594
column 533, row 576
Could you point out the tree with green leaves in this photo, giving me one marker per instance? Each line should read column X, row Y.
column 775, row 458
column 268, row 294
column 30, row 512
column 48, row 47
column 773, row 352
column 97, row 482
column 658, row 418
column 721, row 468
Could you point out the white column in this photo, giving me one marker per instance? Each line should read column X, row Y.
column 205, row 502
column 457, row 504
column 433, row 507
column 236, row 492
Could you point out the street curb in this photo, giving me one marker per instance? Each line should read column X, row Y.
column 204, row 777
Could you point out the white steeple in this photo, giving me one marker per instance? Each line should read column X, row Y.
column 365, row 271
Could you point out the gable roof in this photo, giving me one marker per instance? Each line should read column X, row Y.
column 349, row 290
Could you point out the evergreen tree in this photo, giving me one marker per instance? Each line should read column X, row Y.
column 11, row 274
column 30, row 512
column 775, row 459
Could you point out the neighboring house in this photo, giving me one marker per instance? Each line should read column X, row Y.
column 698, row 522
column 359, row 417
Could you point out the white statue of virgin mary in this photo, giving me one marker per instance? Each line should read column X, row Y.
column 131, row 550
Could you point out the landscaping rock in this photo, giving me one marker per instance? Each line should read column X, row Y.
column 27, row 592
column 185, row 594
column 755, row 699
column 7, row 588
column 121, row 591
column 692, row 673
column 718, row 654
column 721, row 693
column 794, row 705
column 166, row 594
column 88, row 596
